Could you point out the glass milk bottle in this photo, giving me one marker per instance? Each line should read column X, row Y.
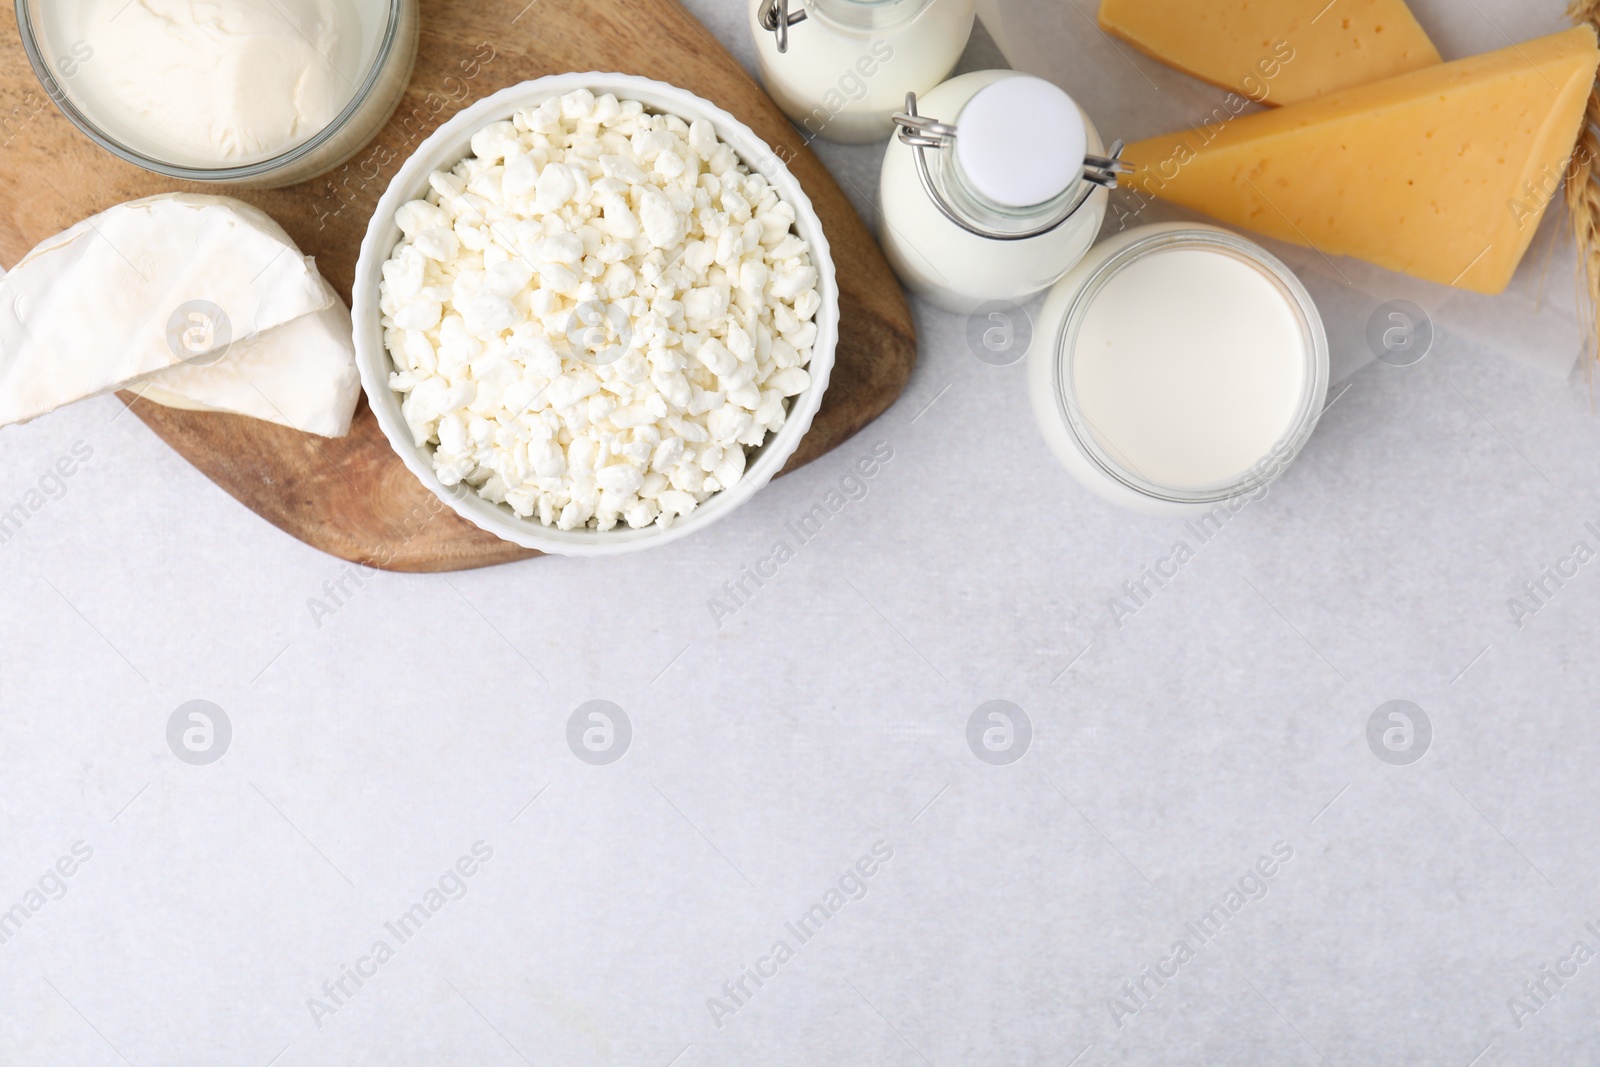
column 995, row 188
column 840, row 69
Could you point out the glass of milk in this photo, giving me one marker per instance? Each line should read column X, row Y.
column 243, row 92
column 1178, row 368
column 840, row 69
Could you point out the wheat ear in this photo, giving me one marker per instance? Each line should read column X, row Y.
column 1583, row 189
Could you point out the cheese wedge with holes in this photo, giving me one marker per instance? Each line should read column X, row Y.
column 1443, row 173
column 1276, row 51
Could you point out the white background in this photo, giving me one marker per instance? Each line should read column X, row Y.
column 371, row 751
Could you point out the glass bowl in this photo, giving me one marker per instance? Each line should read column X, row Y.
column 378, row 77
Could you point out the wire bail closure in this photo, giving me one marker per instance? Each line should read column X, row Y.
column 775, row 18
column 921, row 132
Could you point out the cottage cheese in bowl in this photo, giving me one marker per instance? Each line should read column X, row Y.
column 601, row 319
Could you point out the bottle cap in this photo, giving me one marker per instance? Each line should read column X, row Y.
column 1021, row 141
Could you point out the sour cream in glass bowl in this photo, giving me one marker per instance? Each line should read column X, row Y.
column 255, row 93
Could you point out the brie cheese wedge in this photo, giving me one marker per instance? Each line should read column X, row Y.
column 204, row 298
column 301, row 375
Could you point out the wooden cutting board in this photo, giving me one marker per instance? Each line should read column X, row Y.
column 352, row 497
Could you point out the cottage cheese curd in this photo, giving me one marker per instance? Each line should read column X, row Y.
column 595, row 314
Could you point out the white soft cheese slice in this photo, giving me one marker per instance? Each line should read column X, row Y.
column 110, row 301
column 301, row 375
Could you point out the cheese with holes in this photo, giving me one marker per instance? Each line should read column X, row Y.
column 1443, row 173
column 1276, row 51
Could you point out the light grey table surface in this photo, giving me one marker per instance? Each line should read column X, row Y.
column 377, row 741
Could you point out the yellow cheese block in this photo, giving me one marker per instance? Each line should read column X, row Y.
column 1443, row 173
column 1276, row 51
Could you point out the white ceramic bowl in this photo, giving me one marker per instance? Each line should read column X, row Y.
column 449, row 145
